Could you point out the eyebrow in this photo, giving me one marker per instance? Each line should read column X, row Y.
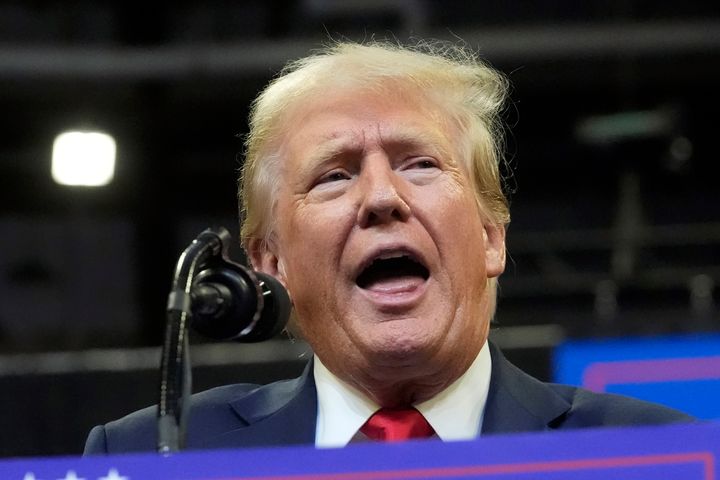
column 407, row 136
column 336, row 144
column 331, row 147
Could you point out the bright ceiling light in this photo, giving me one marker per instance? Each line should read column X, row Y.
column 83, row 158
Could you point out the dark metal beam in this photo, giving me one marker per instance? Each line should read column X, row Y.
column 508, row 44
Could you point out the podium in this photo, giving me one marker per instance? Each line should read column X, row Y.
column 687, row 452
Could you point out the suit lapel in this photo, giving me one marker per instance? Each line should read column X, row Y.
column 282, row 413
column 518, row 402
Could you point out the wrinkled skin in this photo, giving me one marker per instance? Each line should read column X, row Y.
column 361, row 176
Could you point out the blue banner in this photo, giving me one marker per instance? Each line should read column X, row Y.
column 686, row 452
column 682, row 372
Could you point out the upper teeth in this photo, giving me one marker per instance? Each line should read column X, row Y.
column 384, row 256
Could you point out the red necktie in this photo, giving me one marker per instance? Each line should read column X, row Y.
column 396, row 425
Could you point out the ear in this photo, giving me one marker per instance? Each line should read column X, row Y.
column 264, row 258
column 494, row 236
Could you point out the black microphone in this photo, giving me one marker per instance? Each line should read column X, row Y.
column 224, row 301
column 231, row 302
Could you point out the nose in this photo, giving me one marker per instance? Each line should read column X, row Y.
column 381, row 200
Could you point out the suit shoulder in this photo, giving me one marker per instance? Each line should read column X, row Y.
column 207, row 399
column 590, row 409
column 137, row 431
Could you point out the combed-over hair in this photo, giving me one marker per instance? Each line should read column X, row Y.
column 462, row 87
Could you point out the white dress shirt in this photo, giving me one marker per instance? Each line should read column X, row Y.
column 455, row 413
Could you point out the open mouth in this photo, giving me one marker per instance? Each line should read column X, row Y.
column 392, row 270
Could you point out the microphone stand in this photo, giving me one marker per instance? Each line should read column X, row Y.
column 175, row 373
column 225, row 301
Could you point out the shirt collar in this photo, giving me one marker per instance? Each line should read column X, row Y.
column 455, row 413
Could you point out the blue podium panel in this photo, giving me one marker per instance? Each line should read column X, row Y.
column 682, row 372
column 687, row 452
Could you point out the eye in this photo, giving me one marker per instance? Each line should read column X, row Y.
column 334, row 176
column 421, row 163
column 424, row 164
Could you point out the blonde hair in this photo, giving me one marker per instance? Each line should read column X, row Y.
column 470, row 93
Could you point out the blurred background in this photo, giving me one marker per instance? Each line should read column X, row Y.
column 612, row 140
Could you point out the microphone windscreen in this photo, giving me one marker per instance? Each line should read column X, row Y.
column 275, row 313
column 231, row 302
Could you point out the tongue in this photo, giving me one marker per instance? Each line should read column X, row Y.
column 395, row 284
column 394, row 275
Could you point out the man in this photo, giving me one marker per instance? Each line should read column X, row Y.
column 371, row 190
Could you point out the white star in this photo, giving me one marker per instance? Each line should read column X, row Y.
column 29, row 476
column 113, row 475
column 70, row 475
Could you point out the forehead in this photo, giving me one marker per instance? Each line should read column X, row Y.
column 349, row 121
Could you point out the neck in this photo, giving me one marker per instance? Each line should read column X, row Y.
column 392, row 386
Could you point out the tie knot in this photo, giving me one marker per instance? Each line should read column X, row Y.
column 395, row 425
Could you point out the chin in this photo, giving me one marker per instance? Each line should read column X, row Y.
column 401, row 348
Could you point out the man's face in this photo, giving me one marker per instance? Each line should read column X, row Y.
column 380, row 242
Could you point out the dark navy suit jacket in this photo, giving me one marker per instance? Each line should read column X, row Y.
column 284, row 413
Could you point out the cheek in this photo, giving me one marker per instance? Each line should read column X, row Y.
column 312, row 242
column 460, row 239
